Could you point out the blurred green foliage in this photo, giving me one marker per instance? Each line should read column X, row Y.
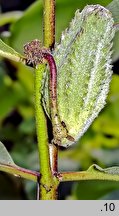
column 100, row 144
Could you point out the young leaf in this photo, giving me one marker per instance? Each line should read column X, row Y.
column 83, row 60
column 7, row 52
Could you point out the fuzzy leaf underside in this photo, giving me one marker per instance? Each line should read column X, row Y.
column 83, row 60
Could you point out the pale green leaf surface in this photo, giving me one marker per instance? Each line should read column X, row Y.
column 5, row 158
column 7, row 52
column 84, row 72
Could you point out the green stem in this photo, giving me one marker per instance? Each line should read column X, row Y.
column 41, row 125
column 20, row 172
column 47, row 181
column 49, row 23
column 87, row 175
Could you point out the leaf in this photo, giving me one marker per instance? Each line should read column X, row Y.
column 5, row 158
column 84, row 72
column 7, row 52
